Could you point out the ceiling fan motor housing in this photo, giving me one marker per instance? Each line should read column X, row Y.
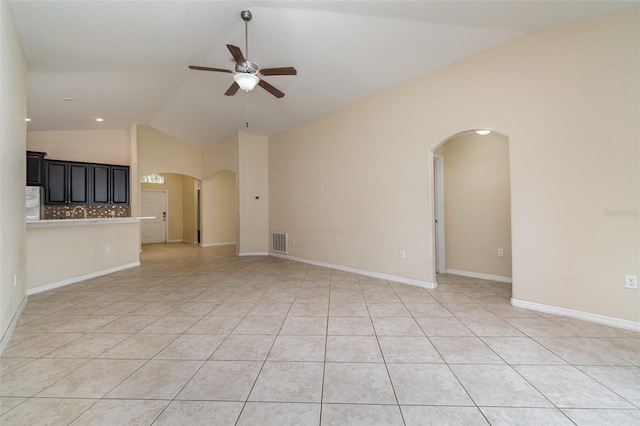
column 247, row 67
column 246, row 15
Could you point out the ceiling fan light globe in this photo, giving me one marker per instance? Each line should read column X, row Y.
column 246, row 81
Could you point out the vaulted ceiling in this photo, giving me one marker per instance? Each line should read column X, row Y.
column 126, row 61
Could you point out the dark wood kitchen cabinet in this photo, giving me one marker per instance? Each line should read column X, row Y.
column 35, row 168
column 66, row 182
column 109, row 184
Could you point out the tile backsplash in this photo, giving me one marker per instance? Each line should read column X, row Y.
column 93, row 212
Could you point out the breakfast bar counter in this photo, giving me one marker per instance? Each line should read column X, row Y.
column 65, row 251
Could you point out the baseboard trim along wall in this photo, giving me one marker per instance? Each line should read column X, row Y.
column 254, row 253
column 68, row 281
column 217, row 244
column 581, row 315
column 175, row 241
column 394, row 278
column 480, row 275
column 12, row 325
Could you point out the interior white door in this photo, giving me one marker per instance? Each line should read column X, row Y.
column 154, row 204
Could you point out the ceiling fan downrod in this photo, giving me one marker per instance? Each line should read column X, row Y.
column 246, row 17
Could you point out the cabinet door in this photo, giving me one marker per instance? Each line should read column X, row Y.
column 78, row 183
column 56, row 176
column 100, row 185
column 120, row 184
column 35, row 168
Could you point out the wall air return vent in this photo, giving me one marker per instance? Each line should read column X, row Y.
column 279, row 242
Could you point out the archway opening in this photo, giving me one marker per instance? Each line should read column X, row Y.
column 472, row 207
column 173, row 201
column 219, row 209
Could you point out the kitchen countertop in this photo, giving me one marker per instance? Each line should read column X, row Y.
column 80, row 222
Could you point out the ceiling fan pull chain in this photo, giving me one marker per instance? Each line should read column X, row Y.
column 246, row 113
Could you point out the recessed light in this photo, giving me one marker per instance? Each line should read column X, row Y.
column 27, row 119
column 67, row 99
column 99, row 119
column 483, row 132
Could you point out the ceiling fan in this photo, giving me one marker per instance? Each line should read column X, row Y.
column 247, row 74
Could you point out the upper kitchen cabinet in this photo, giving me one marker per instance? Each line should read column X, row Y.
column 35, row 168
column 66, row 182
column 109, row 184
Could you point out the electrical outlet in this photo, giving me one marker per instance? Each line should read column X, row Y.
column 67, row 213
column 631, row 281
column 107, row 249
column 15, row 280
column 500, row 252
column 403, row 254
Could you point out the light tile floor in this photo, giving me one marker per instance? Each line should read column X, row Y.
column 199, row 336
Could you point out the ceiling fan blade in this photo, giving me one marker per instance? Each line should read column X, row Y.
column 237, row 54
column 269, row 88
column 279, row 71
column 232, row 89
column 194, row 67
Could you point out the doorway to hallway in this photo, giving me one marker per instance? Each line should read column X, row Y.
column 472, row 207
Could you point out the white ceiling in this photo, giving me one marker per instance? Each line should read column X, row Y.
column 126, row 61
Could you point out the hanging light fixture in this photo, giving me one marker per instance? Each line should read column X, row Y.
column 246, row 73
column 246, row 81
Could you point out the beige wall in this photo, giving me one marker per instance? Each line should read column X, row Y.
column 189, row 223
column 92, row 146
column 220, row 193
column 219, row 202
column 221, row 155
column 62, row 253
column 355, row 186
column 181, row 163
column 253, row 183
column 477, row 204
column 162, row 153
column 13, row 107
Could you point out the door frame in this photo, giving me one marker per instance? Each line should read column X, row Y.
column 438, row 202
column 166, row 207
column 198, row 216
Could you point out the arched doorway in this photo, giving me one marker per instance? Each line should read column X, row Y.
column 173, row 200
column 220, row 209
column 472, row 206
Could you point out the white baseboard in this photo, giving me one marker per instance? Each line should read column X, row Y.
column 480, row 275
column 254, row 253
column 581, row 315
column 394, row 278
column 175, row 241
column 68, row 281
column 218, row 244
column 12, row 325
